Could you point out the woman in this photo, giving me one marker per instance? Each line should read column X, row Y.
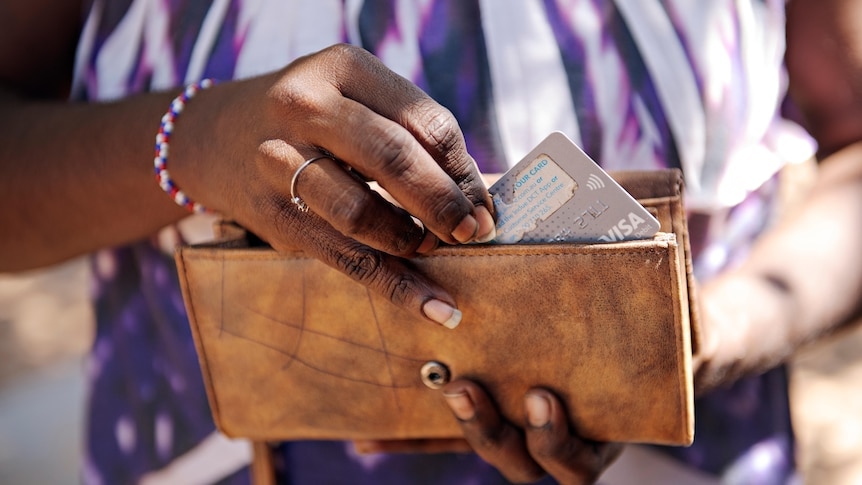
column 636, row 84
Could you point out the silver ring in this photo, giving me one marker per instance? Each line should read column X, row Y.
column 300, row 204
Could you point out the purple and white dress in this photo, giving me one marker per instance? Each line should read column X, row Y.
column 638, row 84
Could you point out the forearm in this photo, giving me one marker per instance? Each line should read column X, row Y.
column 77, row 177
column 802, row 280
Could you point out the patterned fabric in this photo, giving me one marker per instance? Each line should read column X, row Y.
column 639, row 84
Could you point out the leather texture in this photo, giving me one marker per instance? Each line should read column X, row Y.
column 292, row 349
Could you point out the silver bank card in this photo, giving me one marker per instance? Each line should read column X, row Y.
column 557, row 193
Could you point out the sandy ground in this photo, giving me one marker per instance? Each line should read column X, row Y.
column 46, row 328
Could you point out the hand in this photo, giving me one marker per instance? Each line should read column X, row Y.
column 380, row 127
column 547, row 445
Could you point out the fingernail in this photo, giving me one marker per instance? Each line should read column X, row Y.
column 429, row 243
column 461, row 405
column 442, row 313
column 538, row 410
column 466, row 230
column 487, row 227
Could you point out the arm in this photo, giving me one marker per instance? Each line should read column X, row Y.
column 73, row 177
column 804, row 278
column 52, row 210
column 77, row 177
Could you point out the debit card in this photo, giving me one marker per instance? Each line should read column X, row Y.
column 558, row 194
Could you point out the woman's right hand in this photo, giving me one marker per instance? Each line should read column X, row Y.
column 379, row 126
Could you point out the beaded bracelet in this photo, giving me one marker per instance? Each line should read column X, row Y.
column 163, row 137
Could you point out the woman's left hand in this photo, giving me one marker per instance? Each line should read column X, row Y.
column 547, row 446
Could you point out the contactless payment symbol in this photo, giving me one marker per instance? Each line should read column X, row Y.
column 594, row 182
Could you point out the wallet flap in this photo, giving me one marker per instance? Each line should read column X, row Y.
column 660, row 191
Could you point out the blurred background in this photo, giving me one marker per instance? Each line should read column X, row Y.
column 46, row 327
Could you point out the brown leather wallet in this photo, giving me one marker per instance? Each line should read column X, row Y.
column 292, row 349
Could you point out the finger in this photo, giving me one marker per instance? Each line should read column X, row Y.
column 491, row 437
column 420, row 132
column 433, row 126
column 347, row 203
column 383, row 274
column 439, row 445
column 386, row 152
column 563, row 454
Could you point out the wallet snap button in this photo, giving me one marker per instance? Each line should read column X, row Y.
column 434, row 374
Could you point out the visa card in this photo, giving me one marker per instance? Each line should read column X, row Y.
column 558, row 194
